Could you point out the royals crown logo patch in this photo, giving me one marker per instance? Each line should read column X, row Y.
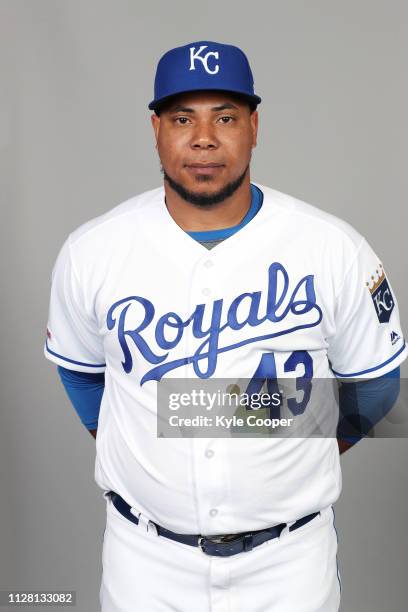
column 381, row 295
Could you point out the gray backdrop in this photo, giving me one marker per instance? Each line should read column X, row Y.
column 75, row 140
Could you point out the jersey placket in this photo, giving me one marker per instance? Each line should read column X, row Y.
column 208, row 454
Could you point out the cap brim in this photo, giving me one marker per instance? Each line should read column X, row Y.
column 155, row 104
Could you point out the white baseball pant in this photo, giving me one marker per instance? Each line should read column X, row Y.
column 297, row 572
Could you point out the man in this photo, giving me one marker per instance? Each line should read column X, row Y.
column 214, row 276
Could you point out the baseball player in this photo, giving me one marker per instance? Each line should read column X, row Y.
column 214, row 276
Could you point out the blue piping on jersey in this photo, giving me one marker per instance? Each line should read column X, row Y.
column 220, row 234
column 337, row 538
column 371, row 369
column 81, row 363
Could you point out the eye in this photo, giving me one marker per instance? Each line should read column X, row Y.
column 181, row 120
column 226, row 119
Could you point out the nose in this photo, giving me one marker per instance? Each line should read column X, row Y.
column 204, row 137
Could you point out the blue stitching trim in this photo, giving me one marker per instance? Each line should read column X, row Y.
column 337, row 563
column 371, row 369
column 88, row 365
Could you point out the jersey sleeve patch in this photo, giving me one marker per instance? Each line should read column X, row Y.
column 381, row 295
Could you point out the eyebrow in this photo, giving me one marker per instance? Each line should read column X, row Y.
column 185, row 109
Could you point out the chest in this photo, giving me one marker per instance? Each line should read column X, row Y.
column 214, row 311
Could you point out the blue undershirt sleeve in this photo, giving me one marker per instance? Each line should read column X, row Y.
column 364, row 403
column 85, row 392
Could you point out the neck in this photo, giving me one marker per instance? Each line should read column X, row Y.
column 192, row 218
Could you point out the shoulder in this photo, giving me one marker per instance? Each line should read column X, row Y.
column 114, row 221
column 308, row 219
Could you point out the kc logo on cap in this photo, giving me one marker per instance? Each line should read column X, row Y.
column 195, row 55
column 203, row 65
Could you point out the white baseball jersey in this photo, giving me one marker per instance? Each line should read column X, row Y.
column 136, row 297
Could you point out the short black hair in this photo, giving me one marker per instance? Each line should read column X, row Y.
column 241, row 97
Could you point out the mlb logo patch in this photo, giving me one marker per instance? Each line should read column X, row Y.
column 381, row 295
column 394, row 337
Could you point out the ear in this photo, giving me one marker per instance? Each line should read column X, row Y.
column 156, row 126
column 254, row 125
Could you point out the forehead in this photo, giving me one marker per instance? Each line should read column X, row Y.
column 205, row 100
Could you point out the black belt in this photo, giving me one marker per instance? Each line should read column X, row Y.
column 218, row 546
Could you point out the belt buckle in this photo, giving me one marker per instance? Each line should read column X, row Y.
column 218, row 539
column 201, row 543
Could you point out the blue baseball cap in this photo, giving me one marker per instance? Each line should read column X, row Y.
column 203, row 65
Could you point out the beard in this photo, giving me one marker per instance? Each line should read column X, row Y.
column 204, row 199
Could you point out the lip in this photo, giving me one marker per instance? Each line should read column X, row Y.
column 204, row 167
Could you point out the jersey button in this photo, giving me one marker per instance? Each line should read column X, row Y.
column 208, row 263
column 206, row 291
column 213, row 512
column 209, row 453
